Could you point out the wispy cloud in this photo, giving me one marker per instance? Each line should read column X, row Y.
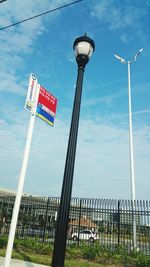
column 102, row 155
column 116, row 15
column 107, row 99
column 120, row 16
column 19, row 41
column 125, row 38
column 102, row 161
column 141, row 111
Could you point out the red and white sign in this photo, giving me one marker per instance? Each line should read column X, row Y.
column 47, row 101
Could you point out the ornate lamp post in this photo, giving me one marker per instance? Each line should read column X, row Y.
column 84, row 47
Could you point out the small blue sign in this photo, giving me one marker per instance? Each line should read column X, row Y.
column 43, row 115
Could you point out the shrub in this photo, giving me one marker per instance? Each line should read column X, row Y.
column 3, row 242
column 73, row 252
column 90, row 252
column 33, row 245
column 119, row 249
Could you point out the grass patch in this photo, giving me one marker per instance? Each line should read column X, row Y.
column 84, row 255
column 46, row 260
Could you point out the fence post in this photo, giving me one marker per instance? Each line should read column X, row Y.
column 79, row 219
column 118, row 222
column 45, row 220
column 134, row 234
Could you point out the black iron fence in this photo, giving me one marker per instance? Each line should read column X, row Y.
column 109, row 222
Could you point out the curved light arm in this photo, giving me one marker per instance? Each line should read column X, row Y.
column 122, row 60
column 140, row 51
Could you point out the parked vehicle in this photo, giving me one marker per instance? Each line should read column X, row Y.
column 86, row 234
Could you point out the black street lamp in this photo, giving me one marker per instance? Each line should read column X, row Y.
column 84, row 47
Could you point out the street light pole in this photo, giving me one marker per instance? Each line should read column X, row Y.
column 84, row 47
column 133, row 196
column 132, row 172
column 132, row 168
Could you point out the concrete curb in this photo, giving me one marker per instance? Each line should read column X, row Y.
column 20, row 263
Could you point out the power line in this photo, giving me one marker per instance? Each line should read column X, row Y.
column 39, row 15
column 1, row 1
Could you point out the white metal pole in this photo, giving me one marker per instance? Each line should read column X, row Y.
column 131, row 138
column 132, row 173
column 19, row 193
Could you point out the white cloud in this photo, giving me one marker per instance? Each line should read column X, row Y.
column 17, row 41
column 125, row 38
column 102, row 159
column 141, row 111
column 121, row 17
column 117, row 16
column 108, row 99
column 9, row 83
column 102, row 162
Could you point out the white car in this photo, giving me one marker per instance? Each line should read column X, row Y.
column 85, row 234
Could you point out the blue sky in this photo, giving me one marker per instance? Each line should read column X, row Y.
column 43, row 46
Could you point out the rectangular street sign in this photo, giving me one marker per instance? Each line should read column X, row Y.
column 47, row 101
column 40, row 102
column 32, row 94
column 46, row 106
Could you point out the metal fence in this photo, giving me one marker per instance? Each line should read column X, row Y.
column 108, row 222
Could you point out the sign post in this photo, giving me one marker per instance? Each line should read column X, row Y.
column 32, row 97
column 41, row 103
column 19, row 193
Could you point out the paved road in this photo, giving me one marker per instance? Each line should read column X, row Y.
column 19, row 263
